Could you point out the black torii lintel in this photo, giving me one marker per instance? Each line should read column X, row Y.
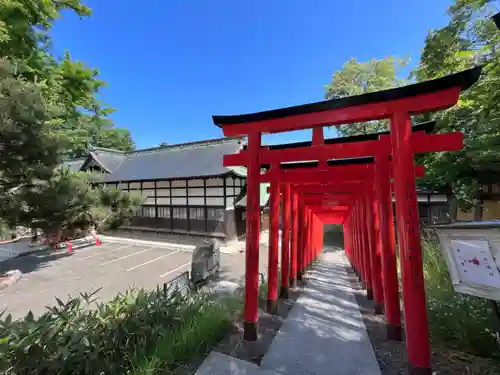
column 463, row 80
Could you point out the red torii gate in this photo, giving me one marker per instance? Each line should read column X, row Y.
column 313, row 173
column 357, row 172
column 397, row 105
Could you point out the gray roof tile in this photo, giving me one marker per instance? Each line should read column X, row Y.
column 110, row 160
column 168, row 162
column 74, row 165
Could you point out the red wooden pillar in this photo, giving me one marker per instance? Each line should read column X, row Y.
column 314, row 229
column 285, row 242
column 300, row 237
column 359, row 263
column 416, row 325
column 388, row 249
column 347, row 247
column 316, row 238
column 321, row 236
column 309, row 238
column 305, row 237
column 274, row 224
column 251, row 312
column 365, row 249
column 355, row 240
column 348, row 242
column 362, row 264
column 375, row 262
column 319, row 231
column 294, row 244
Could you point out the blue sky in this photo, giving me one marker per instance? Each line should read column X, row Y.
column 172, row 64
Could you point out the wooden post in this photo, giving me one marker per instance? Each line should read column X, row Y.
column 300, row 244
column 347, row 229
column 251, row 312
column 375, row 262
column 365, row 249
column 294, row 244
column 274, row 213
column 359, row 268
column 388, row 249
column 306, row 239
column 410, row 252
column 285, row 242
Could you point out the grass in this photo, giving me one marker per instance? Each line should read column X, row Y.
column 194, row 337
column 459, row 321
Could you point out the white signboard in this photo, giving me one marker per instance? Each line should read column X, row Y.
column 475, row 263
column 472, row 255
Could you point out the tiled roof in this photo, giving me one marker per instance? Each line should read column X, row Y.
column 196, row 159
column 109, row 160
column 75, row 164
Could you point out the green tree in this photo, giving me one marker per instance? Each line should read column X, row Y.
column 69, row 87
column 28, row 146
column 469, row 38
column 71, row 202
column 358, row 78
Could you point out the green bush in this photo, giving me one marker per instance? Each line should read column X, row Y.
column 138, row 332
column 459, row 321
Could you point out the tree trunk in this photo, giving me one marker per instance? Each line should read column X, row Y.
column 478, row 210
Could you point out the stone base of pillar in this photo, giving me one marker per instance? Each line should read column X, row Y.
column 378, row 308
column 369, row 294
column 413, row 370
column 284, row 292
column 293, row 283
column 394, row 333
column 272, row 306
column 250, row 332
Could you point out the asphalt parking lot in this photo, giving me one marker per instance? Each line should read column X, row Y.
column 113, row 267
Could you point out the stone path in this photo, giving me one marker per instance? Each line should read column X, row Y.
column 323, row 334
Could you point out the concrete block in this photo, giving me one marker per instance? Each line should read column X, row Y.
column 222, row 364
column 226, row 288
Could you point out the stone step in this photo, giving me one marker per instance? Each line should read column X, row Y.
column 222, row 364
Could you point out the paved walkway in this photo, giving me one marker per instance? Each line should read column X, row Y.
column 323, row 334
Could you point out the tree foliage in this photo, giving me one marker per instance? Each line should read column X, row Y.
column 358, row 78
column 28, row 146
column 70, row 88
column 50, row 111
column 71, row 202
column 469, row 38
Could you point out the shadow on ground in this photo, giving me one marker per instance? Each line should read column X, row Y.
column 32, row 262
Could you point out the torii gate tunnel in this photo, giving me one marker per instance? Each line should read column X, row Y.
column 351, row 181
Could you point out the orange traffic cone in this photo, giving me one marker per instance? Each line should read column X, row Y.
column 69, row 246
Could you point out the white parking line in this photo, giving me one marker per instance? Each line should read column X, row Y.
column 104, row 252
column 177, row 269
column 151, row 261
column 126, row 256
